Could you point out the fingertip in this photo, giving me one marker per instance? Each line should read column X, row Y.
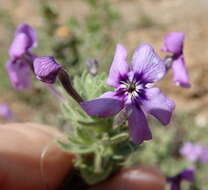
column 134, row 178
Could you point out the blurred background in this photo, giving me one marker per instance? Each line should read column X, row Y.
column 75, row 31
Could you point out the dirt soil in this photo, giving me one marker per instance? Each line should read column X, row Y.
column 148, row 21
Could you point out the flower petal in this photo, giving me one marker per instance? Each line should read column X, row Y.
column 147, row 63
column 30, row 32
column 46, row 69
column 138, row 125
column 180, row 73
column 174, row 182
column 175, row 185
column 19, row 74
column 24, row 39
column 158, row 105
column 173, row 43
column 119, row 67
column 188, row 174
column 191, row 151
column 106, row 105
column 19, row 46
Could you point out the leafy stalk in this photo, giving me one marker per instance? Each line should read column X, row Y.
column 101, row 148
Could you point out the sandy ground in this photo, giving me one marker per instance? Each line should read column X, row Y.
column 188, row 16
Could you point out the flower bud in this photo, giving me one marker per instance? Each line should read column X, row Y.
column 46, row 69
column 92, row 66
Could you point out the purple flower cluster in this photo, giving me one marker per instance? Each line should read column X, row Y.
column 21, row 58
column 187, row 175
column 134, row 91
column 195, row 152
column 174, row 43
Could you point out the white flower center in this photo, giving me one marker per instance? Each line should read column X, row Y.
column 131, row 88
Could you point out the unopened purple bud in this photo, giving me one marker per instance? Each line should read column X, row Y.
column 92, row 65
column 46, row 69
column 19, row 74
column 5, row 112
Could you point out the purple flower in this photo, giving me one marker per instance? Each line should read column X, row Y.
column 191, row 151
column 20, row 65
column 19, row 74
column 134, row 92
column 187, row 174
column 173, row 43
column 5, row 112
column 21, row 58
column 46, row 69
column 24, row 39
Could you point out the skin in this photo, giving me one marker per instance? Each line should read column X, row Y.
column 134, row 178
column 29, row 159
column 21, row 146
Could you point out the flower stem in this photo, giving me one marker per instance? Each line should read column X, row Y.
column 66, row 83
column 168, row 61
